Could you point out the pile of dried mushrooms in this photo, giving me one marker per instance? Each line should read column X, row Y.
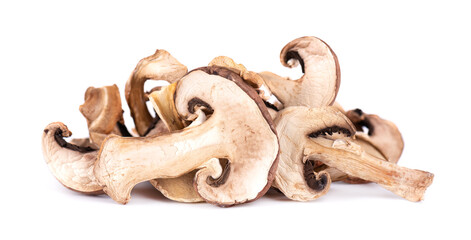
column 225, row 135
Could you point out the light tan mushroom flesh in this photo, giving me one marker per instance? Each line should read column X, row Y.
column 160, row 66
column 70, row 164
column 321, row 80
column 251, row 78
column 247, row 140
column 104, row 113
column 334, row 146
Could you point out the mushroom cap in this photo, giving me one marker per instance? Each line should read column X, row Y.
column 382, row 134
column 321, row 80
column 72, row 165
column 296, row 126
column 247, row 140
column 252, row 153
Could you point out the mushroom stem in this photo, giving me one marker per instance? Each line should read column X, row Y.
column 166, row 156
column 348, row 157
column 248, row 141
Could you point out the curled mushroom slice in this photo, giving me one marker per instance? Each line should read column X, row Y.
column 160, row 66
column 383, row 134
column 321, row 80
column 238, row 130
column 252, row 78
column 334, row 146
column 72, row 165
column 104, row 114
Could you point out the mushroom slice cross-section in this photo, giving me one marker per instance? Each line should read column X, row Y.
column 104, row 113
column 382, row 134
column 321, row 80
column 341, row 152
column 251, row 78
column 72, row 165
column 159, row 66
column 237, row 130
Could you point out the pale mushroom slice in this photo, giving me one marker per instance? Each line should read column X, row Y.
column 72, row 165
column 159, row 66
column 333, row 145
column 238, row 130
column 321, row 80
column 181, row 188
column 252, row 78
column 104, row 114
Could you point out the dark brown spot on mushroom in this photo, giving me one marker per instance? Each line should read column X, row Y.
column 314, row 180
column 330, row 131
column 46, row 131
column 60, row 140
column 294, row 55
column 197, row 102
column 226, row 165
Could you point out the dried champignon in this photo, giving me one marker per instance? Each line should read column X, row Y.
column 382, row 134
column 104, row 113
column 238, row 130
column 160, row 66
column 181, row 188
column 72, row 165
column 251, row 78
column 299, row 177
column 334, row 146
column 321, row 80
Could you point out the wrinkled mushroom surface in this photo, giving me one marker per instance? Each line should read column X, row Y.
column 334, row 146
column 104, row 113
column 159, row 66
column 247, row 140
column 321, row 80
column 72, row 165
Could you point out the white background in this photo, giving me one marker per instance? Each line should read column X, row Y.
column 408, row 61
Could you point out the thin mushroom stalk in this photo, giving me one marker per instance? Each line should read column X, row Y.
column 247, row 140
column 334, row 146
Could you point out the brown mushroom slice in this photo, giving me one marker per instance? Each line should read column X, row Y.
column 321, row 80
column 252, row 78
column 334, row 146
column 238, row 130
column 383, row 134
column 160, row 66
column 72, row 165
column 104, row 114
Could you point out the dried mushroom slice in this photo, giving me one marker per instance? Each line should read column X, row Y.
column 382, row 134
column 300, row 177
column 237, row 130
column 334, row 146
column 321, row 80
column 104, row 114
column 72, row 165
column 251, row 78
column 160, row 66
